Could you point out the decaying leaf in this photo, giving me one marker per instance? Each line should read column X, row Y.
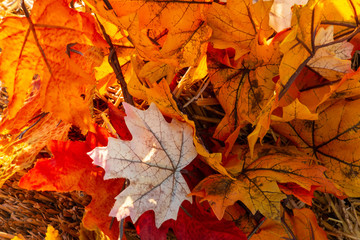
column 256, row 180
column 152, row 161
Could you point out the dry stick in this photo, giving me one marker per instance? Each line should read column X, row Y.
column 114, row 63
column 200, row 91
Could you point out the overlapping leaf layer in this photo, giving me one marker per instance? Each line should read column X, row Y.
column 283, row 72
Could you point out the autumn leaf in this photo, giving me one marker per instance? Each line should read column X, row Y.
column 52, row 233
column 238, row 23
column 168, row 32
column 256, row 180
column 66, row 46
column 303, row 224
column 62, row 174
column 194, row 221
column 332, row 62
column 299, row 224
column 242, row 93
column 18, row 150
column 160, row 95
column 280, row 13
column 152, row 161
column 332, row 140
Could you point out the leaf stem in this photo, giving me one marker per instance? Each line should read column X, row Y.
column 114, row 63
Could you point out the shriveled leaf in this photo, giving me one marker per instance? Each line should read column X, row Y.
column 332, row 140
column 256, row 180
column 72, row 169
column 63, row 54
column 152, row 161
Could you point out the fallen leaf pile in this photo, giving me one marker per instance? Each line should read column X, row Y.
column 197, row 119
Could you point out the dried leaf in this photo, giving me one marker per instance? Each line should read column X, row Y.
column 332, row 140
column 152, row 161
column 256, row 180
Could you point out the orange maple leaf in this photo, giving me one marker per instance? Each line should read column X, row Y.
column 61, row 46
column 333, row 140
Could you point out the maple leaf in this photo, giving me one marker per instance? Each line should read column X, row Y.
column 303, row 224
column 238, row 23
column 194, row 221
column 280, row 13
column 72, row 169
column 66, row 76
column 169, row 32
column 332, row 62
column 332, row 139
column 160, row 95
column 152, row 161
column 298, row 224
column 18, row 150
column 256, row 180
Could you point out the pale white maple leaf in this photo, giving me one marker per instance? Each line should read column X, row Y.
column 152, row 161
column 332, row 62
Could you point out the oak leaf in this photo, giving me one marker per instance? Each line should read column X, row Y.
column 256, row 180
column 152, row 161
column 72, row 169
column 332, row 140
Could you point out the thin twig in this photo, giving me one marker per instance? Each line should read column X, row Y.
column 201, row 90
column 114, row 63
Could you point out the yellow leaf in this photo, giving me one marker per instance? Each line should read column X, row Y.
column 52, row 233
column 333, row 140
column 255, row 182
